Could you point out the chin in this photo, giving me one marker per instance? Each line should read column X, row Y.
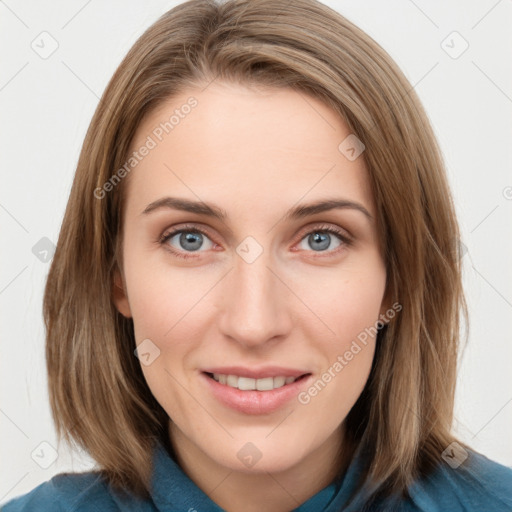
column 253, row 457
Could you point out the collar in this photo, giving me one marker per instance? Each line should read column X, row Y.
column 172, row 490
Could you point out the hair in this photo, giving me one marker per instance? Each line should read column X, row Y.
column 98, row 395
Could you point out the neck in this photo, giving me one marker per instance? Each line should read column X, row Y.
column 279, row 491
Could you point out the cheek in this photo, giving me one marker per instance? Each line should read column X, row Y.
column 350, row 307
column 357, row 307
column 152, row 308
column 168, row 308
column 346, row 300
column 159, row 295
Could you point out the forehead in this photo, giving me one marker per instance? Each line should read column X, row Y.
column 245, row 147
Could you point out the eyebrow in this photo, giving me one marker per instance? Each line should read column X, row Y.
column 210, row 210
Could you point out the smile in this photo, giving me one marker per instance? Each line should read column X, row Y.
column 249, row 384
column 254, row 394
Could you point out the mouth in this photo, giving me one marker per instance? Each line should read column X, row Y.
column 251, row 395
column 253, row 384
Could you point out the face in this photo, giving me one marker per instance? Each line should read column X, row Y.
column 263, row 290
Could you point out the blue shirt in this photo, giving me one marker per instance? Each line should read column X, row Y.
column 478, row 485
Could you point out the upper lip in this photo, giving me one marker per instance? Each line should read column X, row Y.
column 256, row 373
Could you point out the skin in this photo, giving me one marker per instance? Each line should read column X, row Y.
column 255, row 152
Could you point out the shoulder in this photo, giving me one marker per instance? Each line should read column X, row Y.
column 65, row 492
column 465, row 481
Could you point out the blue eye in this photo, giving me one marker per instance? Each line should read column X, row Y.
column 320, row 239
column 191, row 239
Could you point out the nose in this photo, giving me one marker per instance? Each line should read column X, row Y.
column 255, row 303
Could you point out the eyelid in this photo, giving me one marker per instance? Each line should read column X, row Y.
column 170, row 232
column 345, row 235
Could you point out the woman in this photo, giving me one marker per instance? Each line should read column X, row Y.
column 301, row 354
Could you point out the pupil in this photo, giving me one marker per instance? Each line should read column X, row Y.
column 191, row 238
column 321, row 240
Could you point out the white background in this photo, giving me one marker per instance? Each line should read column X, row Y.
column 46, row 106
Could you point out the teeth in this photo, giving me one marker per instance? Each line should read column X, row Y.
column 247, row 384
column 280, row 381
column 232, row 381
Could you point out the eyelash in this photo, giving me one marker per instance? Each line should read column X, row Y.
column 194, row 229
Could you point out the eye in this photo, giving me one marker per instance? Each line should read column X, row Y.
column 189, row 239
column 320, row 239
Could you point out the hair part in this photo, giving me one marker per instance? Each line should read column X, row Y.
column 98, row 395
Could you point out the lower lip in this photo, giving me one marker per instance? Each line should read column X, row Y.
column 255, row 402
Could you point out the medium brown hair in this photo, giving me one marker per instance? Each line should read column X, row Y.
column 98, row 394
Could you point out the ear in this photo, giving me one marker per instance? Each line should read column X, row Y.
column 119, row 294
